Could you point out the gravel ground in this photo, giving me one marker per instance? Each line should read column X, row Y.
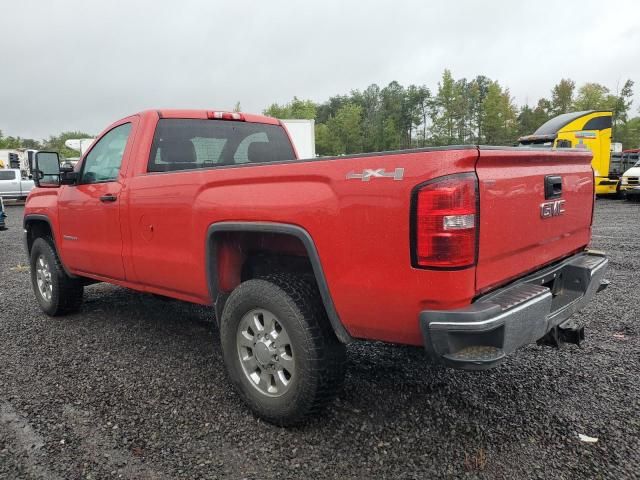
column 134, row 387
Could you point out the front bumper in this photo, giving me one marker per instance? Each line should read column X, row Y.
column 606, row 186
column 479, row 336
column 630, row 190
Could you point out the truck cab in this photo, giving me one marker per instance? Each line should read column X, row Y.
column 590, row 130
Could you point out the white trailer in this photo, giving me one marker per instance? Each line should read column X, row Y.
column 79, row 144
column 303, row 136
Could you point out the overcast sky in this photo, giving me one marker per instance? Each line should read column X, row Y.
column 79, row 65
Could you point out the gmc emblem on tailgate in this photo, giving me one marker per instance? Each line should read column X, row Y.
column 552, row 209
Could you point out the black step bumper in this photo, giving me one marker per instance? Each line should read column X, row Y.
column 479, row 336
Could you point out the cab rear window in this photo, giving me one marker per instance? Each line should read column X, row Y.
column 185, row 144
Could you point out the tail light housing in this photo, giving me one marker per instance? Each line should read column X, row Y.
column 445, row 222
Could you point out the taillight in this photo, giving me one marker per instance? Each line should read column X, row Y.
column 445, row 222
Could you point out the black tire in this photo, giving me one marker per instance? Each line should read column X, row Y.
column 66, row 292
column 320, row 358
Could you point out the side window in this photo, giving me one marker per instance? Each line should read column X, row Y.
column 7, row 175
column 102, row 163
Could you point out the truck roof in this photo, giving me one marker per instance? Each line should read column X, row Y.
column 204, row 114
column 557, row 123
column 549, row 130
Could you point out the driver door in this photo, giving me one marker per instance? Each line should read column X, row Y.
column 89, row 212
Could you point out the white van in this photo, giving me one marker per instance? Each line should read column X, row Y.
column 630, row 181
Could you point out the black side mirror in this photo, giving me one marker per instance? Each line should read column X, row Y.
column 68, row 176
column 47, row 170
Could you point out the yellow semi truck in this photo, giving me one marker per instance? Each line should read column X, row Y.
column 590, row 129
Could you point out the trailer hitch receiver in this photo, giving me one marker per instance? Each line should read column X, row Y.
column 566, row 332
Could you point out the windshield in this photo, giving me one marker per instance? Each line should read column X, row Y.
column 632, row 159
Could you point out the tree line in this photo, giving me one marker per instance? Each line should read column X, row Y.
column 54, row 143
column 458, row 111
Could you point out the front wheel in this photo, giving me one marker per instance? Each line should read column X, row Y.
column 56, row 292
column 279, row 349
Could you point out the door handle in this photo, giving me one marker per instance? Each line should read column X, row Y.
column 552, row 186
column 109, row 197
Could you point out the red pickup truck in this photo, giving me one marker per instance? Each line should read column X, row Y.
column 468, row 251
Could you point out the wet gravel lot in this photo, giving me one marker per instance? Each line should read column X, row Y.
column 134, row 387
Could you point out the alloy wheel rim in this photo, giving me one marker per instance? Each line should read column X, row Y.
column 43, row 278
column 265, row 352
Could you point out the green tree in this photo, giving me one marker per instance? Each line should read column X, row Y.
column 56, row 143
column 478, row 90
column 372, row 117
column 300, row 109
column 324, row 141
column 621, row 106
column 526, row 121
column 422, row 103
column 443, row 116
column 395, row 116
column 500, row 117
column 10, row 142
column 542, row 112
column 592, row 96
column 530, row 119
column 562, row 96
column 345, row 129
column 629, row 133
column 329, row 108
column 462, row 111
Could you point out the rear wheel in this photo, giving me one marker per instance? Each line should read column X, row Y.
column 56, row 292
column 279, row 349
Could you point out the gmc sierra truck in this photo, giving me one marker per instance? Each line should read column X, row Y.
column 468, row 251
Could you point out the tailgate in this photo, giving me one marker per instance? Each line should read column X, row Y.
column 522, row 226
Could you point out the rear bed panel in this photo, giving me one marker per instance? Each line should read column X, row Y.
column 514, row 238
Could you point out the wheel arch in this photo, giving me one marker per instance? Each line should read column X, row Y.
column 38, row 226
column 215, row 234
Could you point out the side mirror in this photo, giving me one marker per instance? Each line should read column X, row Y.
column 67, row 174
column 47, row 170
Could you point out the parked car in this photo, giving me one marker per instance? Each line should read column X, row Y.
column 13, row 184
column 630, row 184
column 470, row 252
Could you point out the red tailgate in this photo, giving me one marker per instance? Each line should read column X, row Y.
column 515, row 236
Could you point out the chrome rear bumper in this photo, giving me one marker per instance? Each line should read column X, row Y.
column 481, row 335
